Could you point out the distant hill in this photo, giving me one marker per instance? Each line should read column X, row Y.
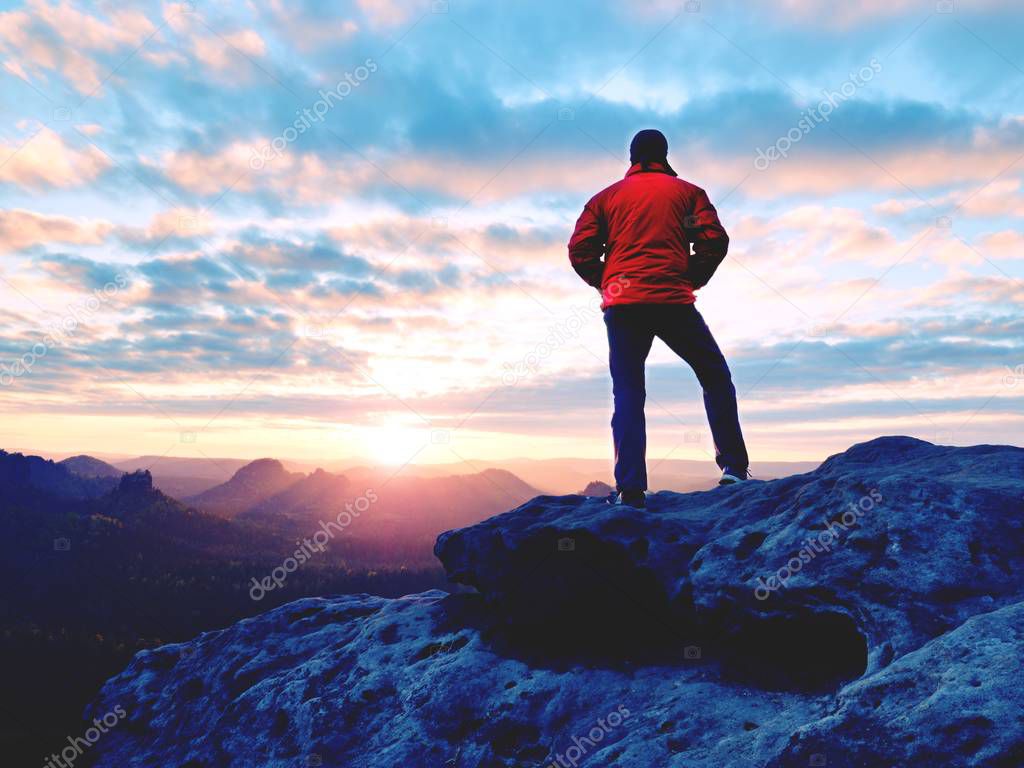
column 596, row 488
column 62, row 504
column 316, row 496
column 88, row 466
column 400, row 515
column 407, row 510
column 250, row 485
column 25, row 477
column 415, row 509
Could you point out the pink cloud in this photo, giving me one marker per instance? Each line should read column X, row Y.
column 307, row 33
column 226, row 54
column 1006, row 244
column 162, row 58
column 180, row 222
column 814, row 235
column 16, row 69
column 126, row 26
column 209, row 173
column 45, row 160
column 389, row 13
column 28, row 37
column 297, row 178
column 20, row 229
column 1001, row 197
column 822, row 174
column 963, row 290
column 222, row 53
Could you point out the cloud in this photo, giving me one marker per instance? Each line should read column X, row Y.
column 209, row 173
column 388, row 13
column 16, row 69
column 261, row 249
column 846, row 15
column 998, row 197
column 176, row 228
column 222, row 48
column 64, row 39
column 82, row 272
column 82, row 30
column 1005, row 244
column 293, row 178
column 193, row 278
column 805, row 233
column 966, row 289
column 221, row 53
column 309, row 26
column 44, row 159
column 22, row 229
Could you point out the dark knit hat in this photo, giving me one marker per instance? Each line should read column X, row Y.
column 650, row 146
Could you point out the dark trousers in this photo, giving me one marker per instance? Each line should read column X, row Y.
column 631, row 331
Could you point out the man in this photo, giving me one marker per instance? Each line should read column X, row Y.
column 644, row 226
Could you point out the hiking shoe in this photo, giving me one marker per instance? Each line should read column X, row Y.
column 637, row 499
column 731, row 476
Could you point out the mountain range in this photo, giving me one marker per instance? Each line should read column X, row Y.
column 264, row 502
column 187, row 477
column 402, row 513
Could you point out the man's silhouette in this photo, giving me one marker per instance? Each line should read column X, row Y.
column 644, row 226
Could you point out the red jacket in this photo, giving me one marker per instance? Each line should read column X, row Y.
column 644, row 225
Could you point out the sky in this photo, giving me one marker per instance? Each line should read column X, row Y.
column 338, row 230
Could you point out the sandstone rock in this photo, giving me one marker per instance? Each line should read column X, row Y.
column 902, row 541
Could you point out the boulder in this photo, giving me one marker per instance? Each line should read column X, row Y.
column 880, row 549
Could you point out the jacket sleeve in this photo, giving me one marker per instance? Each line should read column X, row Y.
column 587, row 244
column 709, row 238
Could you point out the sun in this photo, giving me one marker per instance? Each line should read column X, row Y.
column 394, row 444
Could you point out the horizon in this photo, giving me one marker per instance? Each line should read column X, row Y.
column 365, row 463
column 338, row 234
column 598, row 454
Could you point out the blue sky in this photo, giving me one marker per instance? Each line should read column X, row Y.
column 338, row 230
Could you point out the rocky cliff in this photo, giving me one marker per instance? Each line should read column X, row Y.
column 868, row 613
